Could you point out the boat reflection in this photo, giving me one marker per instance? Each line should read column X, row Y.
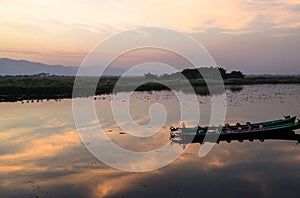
column 279, row 135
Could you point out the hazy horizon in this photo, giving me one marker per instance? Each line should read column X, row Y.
column 254, row 36
column 120, row 70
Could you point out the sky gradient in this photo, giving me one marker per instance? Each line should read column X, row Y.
column 255, row 36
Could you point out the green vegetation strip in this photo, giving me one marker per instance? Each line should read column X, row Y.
column 45, row 86
column 54, row 87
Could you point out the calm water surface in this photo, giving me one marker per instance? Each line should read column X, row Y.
column 41, row 154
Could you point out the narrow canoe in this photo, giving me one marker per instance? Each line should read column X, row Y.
column 288, row 135
column 285, row 120
column 190, row 137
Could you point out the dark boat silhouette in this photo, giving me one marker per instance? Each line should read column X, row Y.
column 285, row 120
column 217, row 134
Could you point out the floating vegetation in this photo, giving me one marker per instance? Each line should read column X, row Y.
column 20, row 88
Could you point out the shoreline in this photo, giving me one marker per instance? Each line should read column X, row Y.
column 20, row 88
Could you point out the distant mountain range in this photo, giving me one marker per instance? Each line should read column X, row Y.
column 24, row 67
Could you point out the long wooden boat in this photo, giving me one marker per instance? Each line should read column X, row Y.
column 216, row 135
column 285, row 120
column 288, row 135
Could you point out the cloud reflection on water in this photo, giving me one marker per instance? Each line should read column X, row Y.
column 43, row 155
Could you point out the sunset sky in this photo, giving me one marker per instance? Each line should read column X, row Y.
column 255, row 36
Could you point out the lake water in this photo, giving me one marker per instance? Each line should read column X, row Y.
column 41, row 153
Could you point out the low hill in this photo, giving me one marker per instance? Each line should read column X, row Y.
column 23, row 67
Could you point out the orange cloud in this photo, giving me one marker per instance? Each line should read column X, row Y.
column 56, row 30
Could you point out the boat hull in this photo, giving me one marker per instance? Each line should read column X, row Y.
column 285, row 120
column 274, row 132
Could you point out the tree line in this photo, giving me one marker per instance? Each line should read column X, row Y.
column 198, row 73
